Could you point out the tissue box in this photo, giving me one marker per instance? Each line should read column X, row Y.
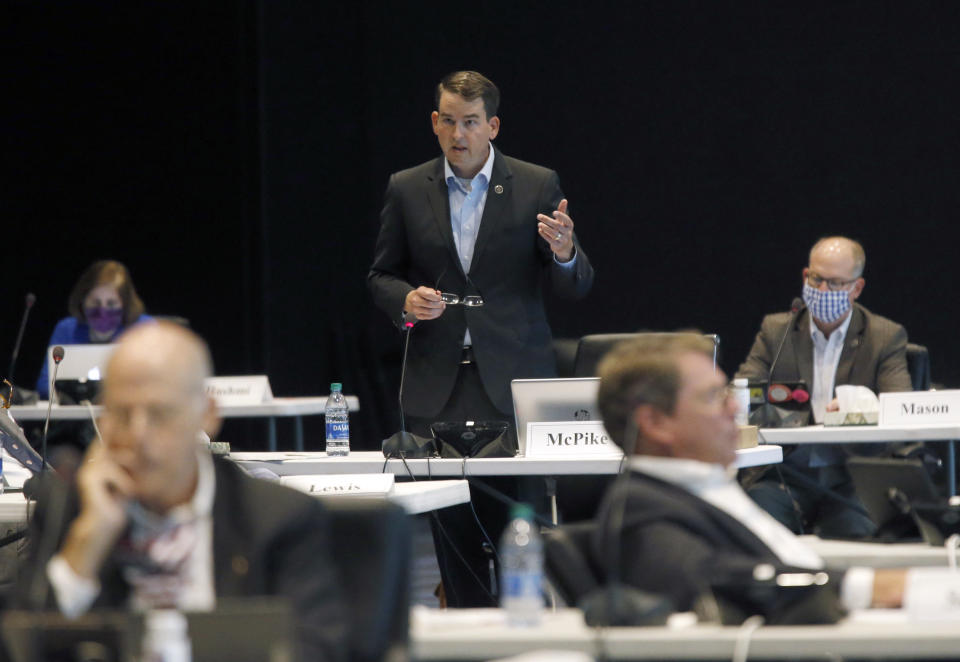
column 834, row 418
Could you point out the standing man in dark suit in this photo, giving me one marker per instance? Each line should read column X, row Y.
column 157, row 523
column 832, row 341
column 488, row 229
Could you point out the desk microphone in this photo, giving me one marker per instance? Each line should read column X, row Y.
column 57, row 358
column 30, row 300
column 403, row 443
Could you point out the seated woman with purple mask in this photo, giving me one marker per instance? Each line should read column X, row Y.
column 102, row 304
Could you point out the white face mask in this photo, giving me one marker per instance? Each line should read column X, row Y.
column 827, row 306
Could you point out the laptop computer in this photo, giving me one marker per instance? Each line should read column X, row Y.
column 238, row 629
column 555, row 399
column 81, row 363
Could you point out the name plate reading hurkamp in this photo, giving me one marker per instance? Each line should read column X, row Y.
column 342, row 484
column 241, row 390
column 570, row 439
column 920, row 407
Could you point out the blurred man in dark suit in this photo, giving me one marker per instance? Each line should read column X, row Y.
column 156, row 522
column 679, row 517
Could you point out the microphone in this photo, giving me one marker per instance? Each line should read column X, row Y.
column 796, row 306
column 402, row 443
column 57, row 358
column 30, row 300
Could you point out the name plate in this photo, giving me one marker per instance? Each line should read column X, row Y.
column 570, row 439
column 342, row 484
column 920, row 407
column 242, row 390
column 932, row 594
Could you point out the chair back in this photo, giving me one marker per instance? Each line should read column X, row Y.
column 918, row 365
column 565, row 353
column 371, row 552
column 569, row 561
column 592, row 348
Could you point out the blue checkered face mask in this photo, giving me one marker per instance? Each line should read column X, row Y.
column 827, row 306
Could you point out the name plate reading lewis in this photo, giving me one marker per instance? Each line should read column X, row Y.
column 242, row 390
column 570, row 439
column 920, row 407
column 342, row 484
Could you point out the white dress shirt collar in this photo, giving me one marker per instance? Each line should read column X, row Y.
column 486, row 170
column 717, row 486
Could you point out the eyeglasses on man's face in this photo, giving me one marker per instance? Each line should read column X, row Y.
column 833, row 284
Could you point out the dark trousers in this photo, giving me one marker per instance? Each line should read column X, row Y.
column 467, row 570
column 805, row 509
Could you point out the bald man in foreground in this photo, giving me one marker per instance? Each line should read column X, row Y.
column 833, row 340
column 156, row 522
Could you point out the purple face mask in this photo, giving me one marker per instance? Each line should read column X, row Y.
column 104, row 320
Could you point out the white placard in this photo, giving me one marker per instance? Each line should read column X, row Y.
column 341, row 484
column 920, row 407
column 241, row 390
column 932, row 594
column 570, row 439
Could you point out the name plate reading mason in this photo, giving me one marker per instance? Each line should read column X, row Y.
column 920, row 407
column 242, row 390
column 342, row 484
column 570, row 439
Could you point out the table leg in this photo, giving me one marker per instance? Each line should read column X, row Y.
column 272, row 433
column 298, row 433
column 952, row 467
column 551, row 483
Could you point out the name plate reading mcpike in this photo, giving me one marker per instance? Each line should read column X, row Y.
column 570, row 439
column 920, row 408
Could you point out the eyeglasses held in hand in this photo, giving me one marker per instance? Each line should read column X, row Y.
column 470, row 301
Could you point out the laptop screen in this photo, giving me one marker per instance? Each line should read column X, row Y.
column 80, row 362
column 558, row 399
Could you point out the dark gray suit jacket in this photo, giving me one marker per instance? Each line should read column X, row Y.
column 674, row 543
column 510, row 333
column 874, row 352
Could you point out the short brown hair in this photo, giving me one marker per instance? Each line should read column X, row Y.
column 641, row 371
column 106, row 272
column 470, row 85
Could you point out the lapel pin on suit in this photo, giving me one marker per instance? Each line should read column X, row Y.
column 239, row 565
column 498, row 189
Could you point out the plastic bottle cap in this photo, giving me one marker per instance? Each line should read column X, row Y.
column 521, row 511
column 336, row 386
column 740, row 381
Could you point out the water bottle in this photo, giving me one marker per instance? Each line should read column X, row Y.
column 338, row 423
column 742, row 396
column 165, row 637
column 521, row 568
